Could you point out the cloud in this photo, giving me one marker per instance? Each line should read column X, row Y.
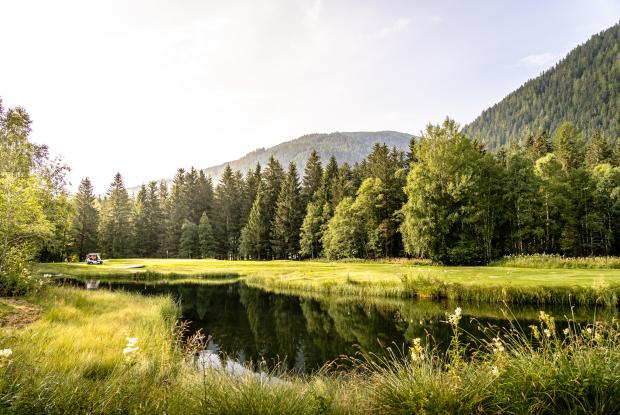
column 541, row 59
column 437, row 18
column 312, row 14
column 399, row 25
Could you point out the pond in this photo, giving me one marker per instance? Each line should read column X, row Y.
column 303, row 333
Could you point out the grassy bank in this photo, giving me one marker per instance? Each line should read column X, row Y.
column 398, row 279
column 72, row 361
column 558, row 261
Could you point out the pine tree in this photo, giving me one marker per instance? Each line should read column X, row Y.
column 178, row 212
column 189, row 243
column 313, row 174
column 115, row 225
column 288, row 217
column 227, row 213
column 250, row 188
column 85, row 220
column 273, row 177
column 599, row 150
column 164, row 224
column 205, row 236
column 568, row 144
column 254, row 234
column 537, row 146
column 312, row 231
column 140, row 223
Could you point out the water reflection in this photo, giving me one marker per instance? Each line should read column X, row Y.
column 258, row 328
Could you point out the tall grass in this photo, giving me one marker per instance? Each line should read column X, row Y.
column 558, row 261
column 72, row 361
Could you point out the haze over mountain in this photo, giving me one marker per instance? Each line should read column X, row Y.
column 583, row 88
column 347, row 147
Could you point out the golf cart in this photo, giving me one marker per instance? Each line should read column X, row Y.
column 94, row 259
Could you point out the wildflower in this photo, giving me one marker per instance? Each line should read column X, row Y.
column 417, row 352
column 498, row 347
column 547, row 333
column 535, row 332
column 598, row 337
column 131, row 348
column 5, row 353
column 589, row 330
column 566, row 331
column 456, row 317
column 495, row 370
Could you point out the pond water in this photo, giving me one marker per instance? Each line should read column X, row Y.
column 250, row 325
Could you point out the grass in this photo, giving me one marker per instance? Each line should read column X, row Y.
column 71, row 361
column 397, row 279
column 558, row 261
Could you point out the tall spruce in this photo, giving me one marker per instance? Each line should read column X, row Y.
column 227, row 213
column 254, row 234
column 288, row 217
column 273, row 177
column 85, row 220
column 599, row 150
column 205, row 237
column 311, row 182
column 115, row 225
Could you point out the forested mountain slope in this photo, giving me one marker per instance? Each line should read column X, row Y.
column 583, row 88
column 346, row 147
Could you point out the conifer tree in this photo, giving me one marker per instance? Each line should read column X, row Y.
column 254, row 234
column 311, row 231
column 205, row 236
column 288, row 219
column 313, row 173
column 568, row 144
column 273, row 177
column 189, row 246
column 115, row 230
column 85, row 220
column 140, row 223
column 227, row 212
column 599, row 150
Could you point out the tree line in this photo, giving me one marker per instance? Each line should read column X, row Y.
column 447, row 199
column 266, row 213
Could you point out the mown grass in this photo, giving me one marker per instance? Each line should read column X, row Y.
column 397, row 279
column 71, row 361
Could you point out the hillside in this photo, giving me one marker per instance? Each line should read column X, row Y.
column 346, row 147
column 583, row 88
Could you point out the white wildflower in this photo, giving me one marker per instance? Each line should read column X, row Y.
column 547, row 333
column 495, row 370
column 498, row 346
column 5, row 353
column 566, row 331
column 456, row 317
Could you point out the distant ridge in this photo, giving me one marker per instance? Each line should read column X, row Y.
column 347, row 147
column 584, row 88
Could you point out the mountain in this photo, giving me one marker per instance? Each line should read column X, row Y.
column 583, row 88
column 346, row 147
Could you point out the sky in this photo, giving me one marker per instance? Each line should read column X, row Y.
column 143, row 87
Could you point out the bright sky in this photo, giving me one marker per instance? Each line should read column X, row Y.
column 146, row 86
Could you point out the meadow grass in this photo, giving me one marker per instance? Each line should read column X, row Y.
column 72, row 361
column 398, row 279
column 558, row 261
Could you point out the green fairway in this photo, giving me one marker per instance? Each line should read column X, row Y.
column 398, row 278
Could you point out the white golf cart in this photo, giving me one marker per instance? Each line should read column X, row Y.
column 94, row 259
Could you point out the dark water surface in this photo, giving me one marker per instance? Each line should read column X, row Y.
column 303, row 333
